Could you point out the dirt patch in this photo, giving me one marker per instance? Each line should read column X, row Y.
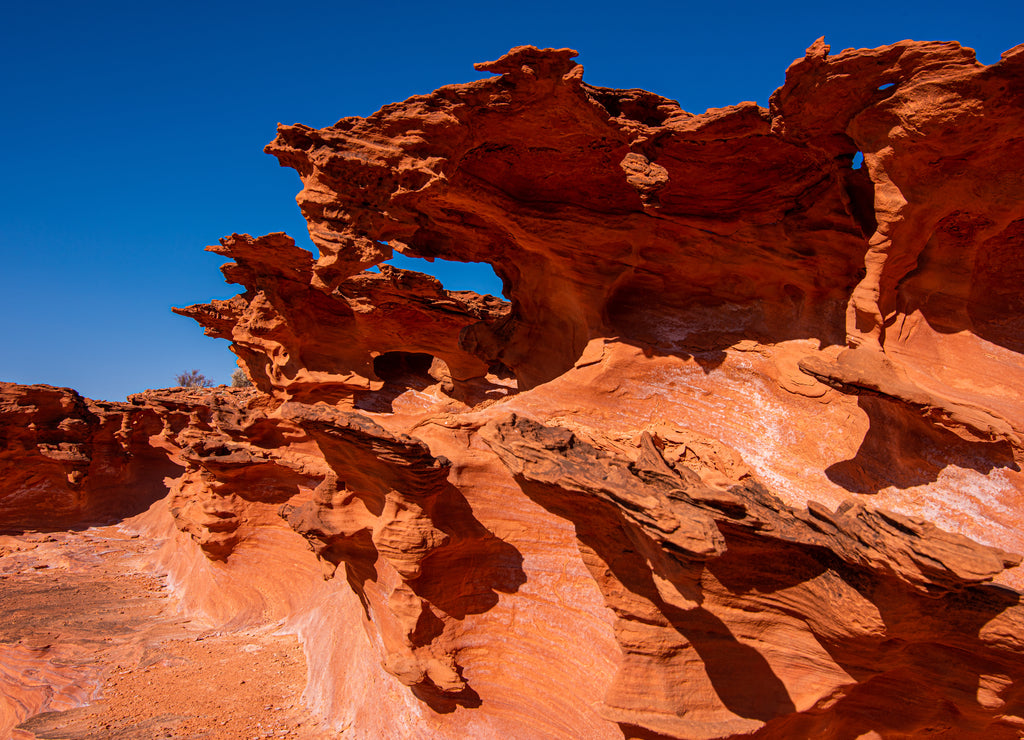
column 91, row 648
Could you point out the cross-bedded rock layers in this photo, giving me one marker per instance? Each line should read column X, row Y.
column 738, row 456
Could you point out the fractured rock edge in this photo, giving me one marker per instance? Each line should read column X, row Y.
column 615, row 220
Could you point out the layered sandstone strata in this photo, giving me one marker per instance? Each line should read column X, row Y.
column 739, row 454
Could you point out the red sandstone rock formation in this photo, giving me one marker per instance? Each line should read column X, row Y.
column 739, row 456
column 66, row 460
column 299, row 340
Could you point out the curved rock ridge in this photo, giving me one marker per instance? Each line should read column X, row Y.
column 739, row 456
column 686, row 517
column 396, row 513
column 716, row 589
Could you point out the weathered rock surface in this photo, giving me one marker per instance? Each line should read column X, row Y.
column 739, row 455
column 301, row 341
column 790, row 614
column 66, row 460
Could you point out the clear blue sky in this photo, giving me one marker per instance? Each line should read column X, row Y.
column 133, row 133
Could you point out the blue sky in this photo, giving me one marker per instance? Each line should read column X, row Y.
column 133, row 134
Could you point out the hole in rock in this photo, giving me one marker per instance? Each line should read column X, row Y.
column 418, row 371
column 478, row 277
column 861, row 191
column 403, row 371
column 886, row 86
column 645, row 107
column 502, row 371
column 414, row 369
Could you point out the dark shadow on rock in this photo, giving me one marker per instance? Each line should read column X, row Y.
column 357, row 556
column 760, row 565
column 918, row 674
column 883, row 624
column 461, row 578
column 702, row 328
column 484, row 564
column 443, row 703
column 983, row 280
column 418, row 371
column 125, row 488
column 707, row 359
column 903, row 450
column 428, row 627
column 741, row 677
column 384, row 493
column 922, row 675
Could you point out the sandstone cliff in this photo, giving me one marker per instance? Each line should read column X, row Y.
column 738, row 454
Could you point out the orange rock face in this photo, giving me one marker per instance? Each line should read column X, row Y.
column 739, row 456
column 66, row 460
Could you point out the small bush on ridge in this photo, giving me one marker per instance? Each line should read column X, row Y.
column 240, row 380
column 193, row 379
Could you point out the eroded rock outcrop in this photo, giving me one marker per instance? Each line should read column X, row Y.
column 727, row 591
column 411, row 548
column 66, row 460
column 304, row 341
column 738, row 456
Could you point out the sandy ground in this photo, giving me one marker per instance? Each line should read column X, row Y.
column 92, row 647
